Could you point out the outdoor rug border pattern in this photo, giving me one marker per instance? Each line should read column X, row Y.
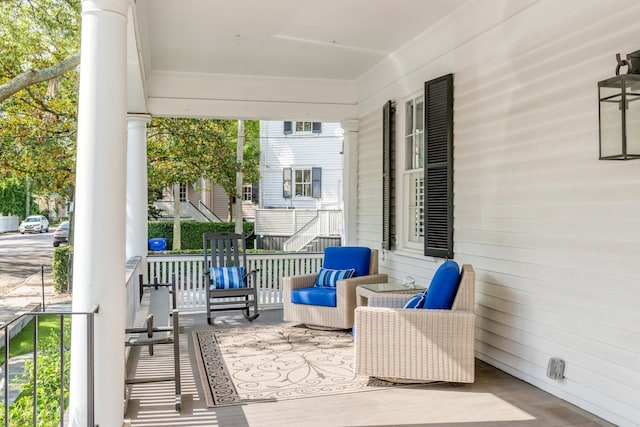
column 276, row 350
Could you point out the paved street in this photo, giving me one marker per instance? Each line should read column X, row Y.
column 21, row 259
column 22, row 255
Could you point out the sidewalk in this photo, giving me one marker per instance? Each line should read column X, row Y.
column 16, row 370
column 14, row 298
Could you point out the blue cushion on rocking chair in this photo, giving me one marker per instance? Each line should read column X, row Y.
column 227, row 278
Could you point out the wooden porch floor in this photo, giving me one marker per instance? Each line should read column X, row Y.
column 495, row 399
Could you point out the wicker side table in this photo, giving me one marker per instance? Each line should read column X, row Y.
column 363, row 292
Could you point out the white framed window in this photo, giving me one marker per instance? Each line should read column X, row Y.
column 414, row 133
column 303, row 127
column 414, row 169
column 302, row 184
column 247, row 193
column 306, row 182
column 183, row 192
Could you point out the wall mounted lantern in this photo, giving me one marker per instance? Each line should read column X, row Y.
column 619, row 109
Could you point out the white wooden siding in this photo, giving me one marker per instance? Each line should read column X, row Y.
column 300, row 151
column 551, row 231
column 370, row 180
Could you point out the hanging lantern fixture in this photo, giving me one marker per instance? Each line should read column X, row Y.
column 619, row 109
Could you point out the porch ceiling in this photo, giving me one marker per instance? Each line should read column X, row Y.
column 224, row 58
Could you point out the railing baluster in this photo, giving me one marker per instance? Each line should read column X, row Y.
column 6, row 375
column 90, row 371
column 61, row 370
column 36, row 321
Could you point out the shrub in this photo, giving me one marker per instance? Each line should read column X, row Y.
column 191, row 232
column 20, row 412
column 62, row 257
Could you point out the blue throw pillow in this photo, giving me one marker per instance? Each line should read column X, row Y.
column 444, row 286
column 227, row 278
column 328, row 277
column 416, row 301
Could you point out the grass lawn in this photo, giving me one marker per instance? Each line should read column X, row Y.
column 23, row 342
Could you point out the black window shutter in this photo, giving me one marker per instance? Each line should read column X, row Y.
column 255, row 192
column 316, row 183
column 288, row 129
column 286, row 183
column 388, row 149
column 438, row 167
column 316, row 127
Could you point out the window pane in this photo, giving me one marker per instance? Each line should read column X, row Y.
column 418, row 150
column 409, row 118
column 419, row 118
column 416, row 207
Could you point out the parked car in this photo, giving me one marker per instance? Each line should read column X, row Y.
column 34, row 224
column 61, row 234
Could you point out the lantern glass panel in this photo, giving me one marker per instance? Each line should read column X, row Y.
column 610, row 122
column 633, row 124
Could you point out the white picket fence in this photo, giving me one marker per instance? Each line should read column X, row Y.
column 9, row 223
column 189, row 270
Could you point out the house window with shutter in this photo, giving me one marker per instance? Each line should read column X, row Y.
column 438, row 167
column 306, row 182
column 428, row 170
column 302, row 127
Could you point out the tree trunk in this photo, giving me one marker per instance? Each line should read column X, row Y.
column 230, row 208
column 239, row 160
column 176, row 217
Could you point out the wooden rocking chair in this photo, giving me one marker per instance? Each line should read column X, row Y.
column 230, row 284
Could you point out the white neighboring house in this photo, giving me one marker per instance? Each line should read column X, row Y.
column 300, row 184
column 300, row 165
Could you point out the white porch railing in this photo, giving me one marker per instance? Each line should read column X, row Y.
column 326, row 223
column 187, row 211
column 189, row 270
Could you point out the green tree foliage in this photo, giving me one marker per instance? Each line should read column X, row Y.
column 13, row 195
column 38, row 120
column 182, row 150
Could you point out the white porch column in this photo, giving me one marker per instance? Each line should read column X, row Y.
column 350, row 181
column 99, row 251
column 137, row 234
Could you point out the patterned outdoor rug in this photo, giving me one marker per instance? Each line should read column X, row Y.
column 275, row 363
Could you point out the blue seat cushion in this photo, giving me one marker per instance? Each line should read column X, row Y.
column 227, row 278
column 346, row 257
column 444, row 286
column 325, row 296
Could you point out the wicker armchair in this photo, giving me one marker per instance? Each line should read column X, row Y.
column 418, row 345
column 341, row 315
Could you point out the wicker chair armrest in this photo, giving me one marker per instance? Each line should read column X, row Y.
column 342, row 285
column 346, row 290
column 389, row 299
column 296, row 282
